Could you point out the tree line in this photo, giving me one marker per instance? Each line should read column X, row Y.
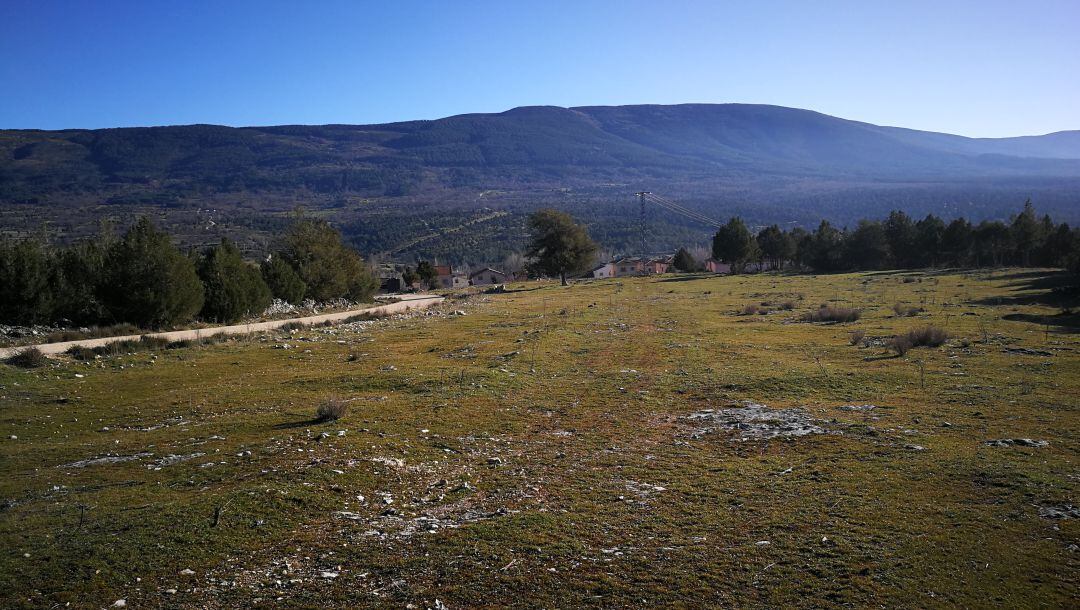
column 899, row 242
column 142, row 278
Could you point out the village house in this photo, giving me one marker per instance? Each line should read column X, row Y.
column 629, row 266
column 487, row 276
column 603, row 271
column 715, row 266
column 633, row 266
column 656, row 265
column 445, row 277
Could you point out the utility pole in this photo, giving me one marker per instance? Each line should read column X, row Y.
column 641, row 228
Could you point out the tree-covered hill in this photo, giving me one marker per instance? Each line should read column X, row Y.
column 393, row 184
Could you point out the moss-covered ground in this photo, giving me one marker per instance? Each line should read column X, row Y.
column 536, row 451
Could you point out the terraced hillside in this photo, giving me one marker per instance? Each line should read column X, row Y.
column 622, row 443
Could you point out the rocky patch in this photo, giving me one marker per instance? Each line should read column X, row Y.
column 753, row 421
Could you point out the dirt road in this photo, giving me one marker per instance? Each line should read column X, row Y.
column 407, row 302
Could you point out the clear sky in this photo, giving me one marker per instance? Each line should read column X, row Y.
column 978, row 68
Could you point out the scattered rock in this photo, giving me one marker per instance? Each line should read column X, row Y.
column 328, row 574
column 1064, row 511
column 643, row 490
column 106, row 459
column 1024, row 351
column 1017, row 442
column 388, row 461
column 754, row 421
column 857, row 407
column 171, row 459
column 912, row 447
column 120, row 603
column 187, row 572
column 494, row 462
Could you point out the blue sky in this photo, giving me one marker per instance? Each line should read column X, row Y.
column 979, row 68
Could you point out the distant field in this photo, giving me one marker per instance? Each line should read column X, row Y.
column 555, row 447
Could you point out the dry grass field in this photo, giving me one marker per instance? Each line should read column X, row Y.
column 621, row 443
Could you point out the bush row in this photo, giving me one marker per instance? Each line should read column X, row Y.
column 143, row 279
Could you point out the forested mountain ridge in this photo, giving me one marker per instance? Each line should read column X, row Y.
column 392, row 183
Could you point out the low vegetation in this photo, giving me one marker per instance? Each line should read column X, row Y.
column 906, row 311
column 595, row 458
column 331, row 409
column 28, row 358
column 143, row 280
column 832, row 313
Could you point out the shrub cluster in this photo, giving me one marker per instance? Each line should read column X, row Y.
column 927, row 336
column 754, row 309
column 831, row 313
column 142, row 279
column 331, row 409
column 905, row 311
column 28, row 358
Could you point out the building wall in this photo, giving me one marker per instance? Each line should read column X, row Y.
column 486, row 278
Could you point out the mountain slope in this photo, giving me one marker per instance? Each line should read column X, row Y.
column 388, row 184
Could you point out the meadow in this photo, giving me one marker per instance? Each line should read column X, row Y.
column 675, row 440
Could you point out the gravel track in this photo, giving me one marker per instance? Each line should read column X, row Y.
column 407, row 302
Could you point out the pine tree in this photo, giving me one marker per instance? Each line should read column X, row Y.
column 26, row 278
column 734, row 245
column 900, row 234
column 282, row 279
column 957, row 242
column 78, row 271
column 826, row 248
column 426, row 272
column 866, row 247
column 776, row 246
column 329, row 268
column 233, row 289
column 147, row 281
column 929, row 233
column 1026, row 234
column 559, row 246
column 683, row 261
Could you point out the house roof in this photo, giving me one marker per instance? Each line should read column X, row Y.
column 485, row 270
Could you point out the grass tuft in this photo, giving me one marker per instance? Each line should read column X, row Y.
column 29, row 358
column 331, row 409
column 831, row 313
column 906, row 311
column 927, row 336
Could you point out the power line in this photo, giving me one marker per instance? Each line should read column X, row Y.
column 683, row 210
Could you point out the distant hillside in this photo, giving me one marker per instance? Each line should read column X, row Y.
column 392, row 185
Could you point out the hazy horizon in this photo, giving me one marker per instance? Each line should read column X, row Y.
column 253, row 125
